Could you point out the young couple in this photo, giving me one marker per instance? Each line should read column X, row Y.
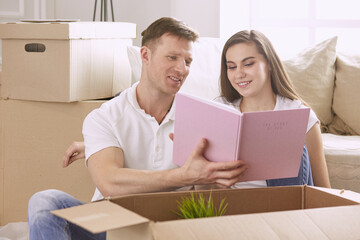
column 128, row 148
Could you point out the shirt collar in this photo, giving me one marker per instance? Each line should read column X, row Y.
column 171, row 113
column 132, row 96
column 133, row 101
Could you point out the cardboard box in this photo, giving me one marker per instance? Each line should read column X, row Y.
column 296, row 212
column 66, row 61
column 1, row 163
column 0, row 80
column 33, row 138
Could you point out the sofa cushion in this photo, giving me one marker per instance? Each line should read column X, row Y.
column 203, row 79
column 346, row 93
column 342, row 158
column 312, row 72
column 133, row 53
column 339, row 127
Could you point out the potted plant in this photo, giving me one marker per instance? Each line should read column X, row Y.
column 196, row 206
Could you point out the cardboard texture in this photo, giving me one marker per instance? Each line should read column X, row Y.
column 1, row 195
column 34, row 136
column 1, row 134
column 233, row 135
column 65, row 62
column 295, row 212
column 0, row 76
column 1, row 162
column 324, row 223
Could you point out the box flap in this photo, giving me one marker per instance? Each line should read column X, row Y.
column 324, row 197
column 67, row 30
column 324, row 223
column 347, row 194
column 100, row 216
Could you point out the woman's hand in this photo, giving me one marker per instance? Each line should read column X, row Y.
column 74, row 152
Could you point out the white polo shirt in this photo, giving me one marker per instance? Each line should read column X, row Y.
column 121, row 123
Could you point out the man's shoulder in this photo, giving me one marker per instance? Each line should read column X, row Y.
column 119, row 101
column 112, row 107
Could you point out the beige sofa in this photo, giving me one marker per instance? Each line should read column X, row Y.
column 328, row 81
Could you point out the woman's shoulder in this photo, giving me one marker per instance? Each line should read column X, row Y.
column 287, row 103
column 223, row 100
column 284, row 103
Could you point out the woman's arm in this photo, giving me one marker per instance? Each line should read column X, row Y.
column 74, row 152
column 317, row 157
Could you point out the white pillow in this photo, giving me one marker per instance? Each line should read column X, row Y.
column 203, row 79
column 135, row 63
column 313, row 72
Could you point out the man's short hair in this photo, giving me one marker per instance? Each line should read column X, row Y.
column 167, row 25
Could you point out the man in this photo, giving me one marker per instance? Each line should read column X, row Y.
column 128, row 149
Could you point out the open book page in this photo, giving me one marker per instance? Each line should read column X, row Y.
column 197, row 118
column 270, row 142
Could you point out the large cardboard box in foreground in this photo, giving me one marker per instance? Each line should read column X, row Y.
column 33, row 138
column 296, row 212
column 66, row 61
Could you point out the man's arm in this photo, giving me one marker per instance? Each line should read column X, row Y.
column 107, row 170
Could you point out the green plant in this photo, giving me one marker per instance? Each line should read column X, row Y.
column 197, row 207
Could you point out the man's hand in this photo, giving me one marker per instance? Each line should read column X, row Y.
column 198, row 170
column 74, row 152
column 107, row 170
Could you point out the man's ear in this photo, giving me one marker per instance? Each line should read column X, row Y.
column 145, row 54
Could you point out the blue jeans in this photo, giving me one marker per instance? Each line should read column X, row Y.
column 45, row 225
column 304, row 176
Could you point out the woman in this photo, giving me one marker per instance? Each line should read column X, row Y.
column 253, row 79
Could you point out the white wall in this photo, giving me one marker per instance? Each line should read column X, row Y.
column 203, row 15
column 234, row 16
column 14, row 10
column 141, row 12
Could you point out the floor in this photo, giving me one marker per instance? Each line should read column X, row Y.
column 14, row 231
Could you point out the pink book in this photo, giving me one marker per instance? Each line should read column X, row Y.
column 270, row 142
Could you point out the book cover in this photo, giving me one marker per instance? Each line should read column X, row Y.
column 270, row 142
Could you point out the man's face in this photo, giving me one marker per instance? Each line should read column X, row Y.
column 168, row 63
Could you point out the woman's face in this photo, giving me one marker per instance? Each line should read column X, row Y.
column 247, row 70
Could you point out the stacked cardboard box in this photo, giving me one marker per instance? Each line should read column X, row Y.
column 42, row 104
column 34, row 137
column 64, row 62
